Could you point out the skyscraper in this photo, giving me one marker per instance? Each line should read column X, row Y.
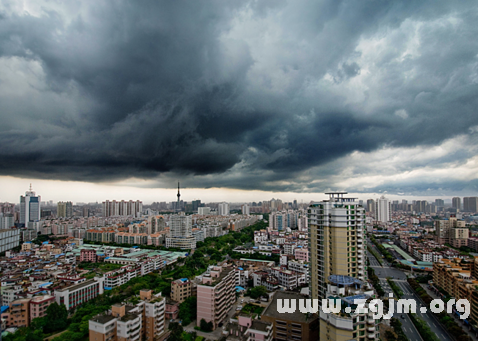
column 29, row 207
column 336, row 239
column 456, row 203
column 383, row 210
column 245, row 209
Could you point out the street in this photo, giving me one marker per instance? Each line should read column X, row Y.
column 400, row 278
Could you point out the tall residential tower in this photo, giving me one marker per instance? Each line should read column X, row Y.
column 337, row 241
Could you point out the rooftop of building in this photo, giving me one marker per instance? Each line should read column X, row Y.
column 297, row 316
column 260, row 325
column 103, row 319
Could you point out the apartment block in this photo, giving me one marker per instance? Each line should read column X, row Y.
column 336, row 241
column 181, row 289
column 20, row 313
column 39, row 305
column 291, row 326
column 250, row 329
column 143, row 321
column 343, row 326
column 451, row 230
column 215, row 294
column 88, row 255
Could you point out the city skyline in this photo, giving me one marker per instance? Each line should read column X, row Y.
column 90, row 193
column 277, row 97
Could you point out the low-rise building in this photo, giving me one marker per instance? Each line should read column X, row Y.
column 39, row 305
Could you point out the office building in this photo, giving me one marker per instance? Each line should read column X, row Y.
column 216, row 294
column 180, row 232
column 456, row 203
column 64, row 209
column 383, row 210
column 30, row 207
column 223, row 209
column 337, row 241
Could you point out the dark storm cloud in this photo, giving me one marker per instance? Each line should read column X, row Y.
column 233, row 90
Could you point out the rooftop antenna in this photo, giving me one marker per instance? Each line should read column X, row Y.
column 179, row 195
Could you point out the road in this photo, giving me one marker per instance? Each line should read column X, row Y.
column 400, row 278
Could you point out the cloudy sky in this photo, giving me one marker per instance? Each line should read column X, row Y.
column 243, row 97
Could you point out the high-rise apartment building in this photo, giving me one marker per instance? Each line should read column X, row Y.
column 30, row 207
column 337, row 241
column 348, row 326
column 371, row 206
column 180, row 232
column 245, row 209
column 439, row 202
column 456, row 203
column 470, row 204
column 64, row 209
column 223, row 209
column 383, row 210
column 451, row 230
column 215, row 294
column 122, row 208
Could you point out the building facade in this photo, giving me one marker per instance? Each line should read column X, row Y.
column 215, row 294
column 337, row 241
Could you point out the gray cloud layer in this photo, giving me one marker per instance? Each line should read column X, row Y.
column 242, row 94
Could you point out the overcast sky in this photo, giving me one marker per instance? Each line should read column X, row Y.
column 239, row 98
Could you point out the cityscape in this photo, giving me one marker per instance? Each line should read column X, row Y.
column 246, row 170
column 218, row 271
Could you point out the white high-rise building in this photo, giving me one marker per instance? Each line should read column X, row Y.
column 245, row 209
column 383, row 210
column 180, row 232
column 223, row 209
column 30, row 208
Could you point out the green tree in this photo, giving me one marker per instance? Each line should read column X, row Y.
column 258, row 291
column 188, row 310
column 56, row 317
column 176, row 332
